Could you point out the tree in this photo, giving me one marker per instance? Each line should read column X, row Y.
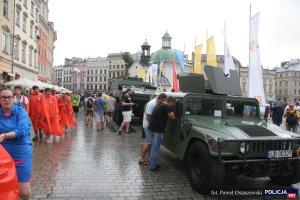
column 128, row 61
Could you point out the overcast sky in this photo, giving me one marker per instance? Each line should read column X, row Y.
column 93, row 28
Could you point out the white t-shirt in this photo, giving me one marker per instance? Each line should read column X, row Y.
column 148, row 111
column 22, row 100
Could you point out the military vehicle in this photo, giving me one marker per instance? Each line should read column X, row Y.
column 220, row 134
column 140, row 96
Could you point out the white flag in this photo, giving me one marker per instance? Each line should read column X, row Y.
column 228, row 61
column 256, row 88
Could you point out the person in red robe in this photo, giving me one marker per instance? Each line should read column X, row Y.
column 50, row 116
column 9, row 186
column 35, row 110
column 53, row 93
column 66, row 111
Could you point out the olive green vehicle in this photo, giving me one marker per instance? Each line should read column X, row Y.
column 140, row 96
column 222, row 135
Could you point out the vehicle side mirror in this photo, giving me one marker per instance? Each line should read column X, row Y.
column 178, row 109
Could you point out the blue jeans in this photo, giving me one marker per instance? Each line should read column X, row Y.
column 155, row 144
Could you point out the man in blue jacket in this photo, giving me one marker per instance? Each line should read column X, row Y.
column 15, row 137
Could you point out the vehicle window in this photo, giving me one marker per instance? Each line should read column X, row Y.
column 203, row 107
column 237, row 108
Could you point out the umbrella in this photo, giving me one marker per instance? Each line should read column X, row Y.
column 24, row 82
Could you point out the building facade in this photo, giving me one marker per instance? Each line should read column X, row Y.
column 116, row 65
column 96, row 74
column 288, row 81
column 269, row 77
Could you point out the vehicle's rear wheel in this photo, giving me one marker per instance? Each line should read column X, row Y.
column 290, row 178
column 204, row 172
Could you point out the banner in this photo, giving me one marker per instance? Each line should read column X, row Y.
column 153, row 73
column 142, row 74
column 175, row 81
column 228, row 60
column 256, row 88
column 198, row 59
column 211, row 57
column 180, row 57
column 77, row 70
column 148, row 75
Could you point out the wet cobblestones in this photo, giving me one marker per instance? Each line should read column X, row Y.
column 87, row 164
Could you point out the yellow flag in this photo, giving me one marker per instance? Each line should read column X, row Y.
column 197, row 60
column 142, row 74
column 211, row 57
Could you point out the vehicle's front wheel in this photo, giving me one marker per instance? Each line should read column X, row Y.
column 290, row 178
column 204, row 172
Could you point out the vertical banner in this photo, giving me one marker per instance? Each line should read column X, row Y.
column 142, row 74
column 256, row 88
column 180, row 57
column 153, row 74
column 175, row 81
column 147, row 75
column 198, row 59
column 160, row 74
column 211, row 57
column 228, row 60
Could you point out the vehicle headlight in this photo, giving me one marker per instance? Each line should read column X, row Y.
column 244, row 147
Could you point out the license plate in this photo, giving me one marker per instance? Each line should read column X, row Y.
column 280, row 154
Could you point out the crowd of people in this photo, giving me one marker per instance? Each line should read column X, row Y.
column 51, row 115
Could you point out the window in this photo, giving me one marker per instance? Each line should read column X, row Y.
column 35, row 35
column 270, row 88
column 23, row 53
column 25, row 3
column 36, row 14
column 31, row 30
column 30, row 57
column 295, row 92
column 32, row 9
column 18, row 17
column 237, row 108
column 24, row 23
column 4, row 43
column 5, row 8
column 16, row 49
column 34, row 60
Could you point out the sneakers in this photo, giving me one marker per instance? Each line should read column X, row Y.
column 119, row 132
column 128, row 133
column 50, row 139
column 155, row 169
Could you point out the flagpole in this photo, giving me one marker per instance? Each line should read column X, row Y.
column 224, row 41
column 249, row 49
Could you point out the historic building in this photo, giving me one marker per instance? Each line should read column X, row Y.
column 58, row 75
column 269, row 77
column 288, row 81
column 96, row 74
column 25, row 40
column 116, row 65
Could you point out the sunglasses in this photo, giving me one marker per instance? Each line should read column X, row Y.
column 3, row 98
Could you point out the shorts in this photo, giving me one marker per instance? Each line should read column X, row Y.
column 89, row 113
column 24, row 170
column 126, row 116
column 99, row 117
column 148, row 135
column 76, row 109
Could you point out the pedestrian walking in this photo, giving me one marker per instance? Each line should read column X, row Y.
column 291, row 119
column 160, row 115
column 20, row 99
column 75, row 99
column 99, row 107
column 15, row 137
column 110, row 109
column 67, row 120
column 89, row 110
column 35, row 99
column 126, row 111
column 146, row 119
column 277, row 113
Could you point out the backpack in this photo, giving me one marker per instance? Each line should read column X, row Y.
column 291, row 118
column 89, row 103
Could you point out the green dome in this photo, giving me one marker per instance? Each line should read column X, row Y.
column 166, row 35
column 163, row 54
column 146, row 44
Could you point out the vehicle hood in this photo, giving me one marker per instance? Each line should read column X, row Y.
column 239, row 128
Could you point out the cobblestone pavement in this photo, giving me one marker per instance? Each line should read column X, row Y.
column 87, row 164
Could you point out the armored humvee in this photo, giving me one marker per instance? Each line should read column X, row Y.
column 140, row 96
column 220, row 134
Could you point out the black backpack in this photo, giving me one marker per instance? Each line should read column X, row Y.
column 89, row 103
column 291, row 118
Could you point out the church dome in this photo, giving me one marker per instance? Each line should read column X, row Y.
column 146, row 44
column 163, row 55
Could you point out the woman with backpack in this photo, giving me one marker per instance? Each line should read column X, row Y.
column 291, row 118
column 89, row 110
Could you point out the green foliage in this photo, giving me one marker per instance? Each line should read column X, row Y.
column 127, row 59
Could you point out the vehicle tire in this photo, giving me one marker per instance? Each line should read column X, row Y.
column 291, row 178
column 204, row 172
